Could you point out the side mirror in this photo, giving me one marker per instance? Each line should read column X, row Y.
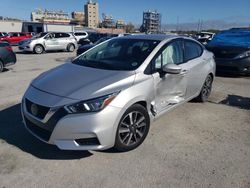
column 171, row 69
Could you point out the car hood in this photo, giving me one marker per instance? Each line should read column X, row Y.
column 82, row 83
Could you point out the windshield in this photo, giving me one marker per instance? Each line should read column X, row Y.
column 232, row 37
column 40, row 35
column 102, row 40
column 117, row 54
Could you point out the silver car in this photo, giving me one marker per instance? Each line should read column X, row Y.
column 49, row 42
column 108, row 96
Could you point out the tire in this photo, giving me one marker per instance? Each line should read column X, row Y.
column 71, row 48
column 38, row 49
column 206, row 90
column 133, row 128
column 1, row 66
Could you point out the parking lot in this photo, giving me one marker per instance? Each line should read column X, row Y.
column 196, row 145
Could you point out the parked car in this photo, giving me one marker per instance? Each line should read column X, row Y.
column 82, row 42
column 49, row 42
column 94, row 37
column 80, row 35
column 15, row 37
column 108, row 96
column 204, row 37
column 84, row 48
column 232, row 51
column 7, row 56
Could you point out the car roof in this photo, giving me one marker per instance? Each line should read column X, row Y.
column 159, row 37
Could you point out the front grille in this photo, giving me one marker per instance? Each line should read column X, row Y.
column 41, row 111
column 38, row 131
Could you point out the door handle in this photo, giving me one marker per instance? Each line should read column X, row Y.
column 184, row 72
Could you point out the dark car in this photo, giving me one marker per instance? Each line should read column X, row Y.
column 232, row 51
column 84, row 41
column 7, row 56
column 86, row 47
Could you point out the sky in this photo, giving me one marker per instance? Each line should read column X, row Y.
column 186, row 11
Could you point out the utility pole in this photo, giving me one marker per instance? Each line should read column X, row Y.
column 177, row 24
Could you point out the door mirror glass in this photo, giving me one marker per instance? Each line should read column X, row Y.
column 171, row 68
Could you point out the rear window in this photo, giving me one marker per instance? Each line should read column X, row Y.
column 192, row 50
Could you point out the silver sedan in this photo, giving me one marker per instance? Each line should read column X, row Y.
column 108, row 96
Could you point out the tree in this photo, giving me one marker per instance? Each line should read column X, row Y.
column 130, row 28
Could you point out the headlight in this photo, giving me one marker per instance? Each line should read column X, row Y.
column 93, row 105
column 243, row 55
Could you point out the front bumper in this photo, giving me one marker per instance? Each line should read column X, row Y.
column 90, row 131
column 241, row 66
column 25, row 47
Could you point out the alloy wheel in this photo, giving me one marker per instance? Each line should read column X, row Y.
column 206, row 90
column 132, row 128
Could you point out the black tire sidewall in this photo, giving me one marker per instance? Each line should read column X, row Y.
column 1, row 66
column 120, row 146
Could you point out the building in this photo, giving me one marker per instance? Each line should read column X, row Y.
column 120, row 24
column 107, row 21
column 46, row 16
column 78, row 18
column 91, row 14
column 151, row 22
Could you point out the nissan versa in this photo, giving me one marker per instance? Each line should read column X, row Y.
column 108, row 96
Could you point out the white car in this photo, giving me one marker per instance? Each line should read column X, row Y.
column 108, row 96
column 80, row 35
column 50, row 41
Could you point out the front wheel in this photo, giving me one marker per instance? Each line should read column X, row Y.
column 38, row 49
column 206, row 89
column 132, row 129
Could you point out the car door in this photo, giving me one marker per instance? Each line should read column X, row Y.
column 170, row 89
column 14, row 38
column 50, row 42
column 63, row 40
column 194, row 65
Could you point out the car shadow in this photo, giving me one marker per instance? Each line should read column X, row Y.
column 220, row 73
column 13, row 132
column 237, row 101
column 6, row 70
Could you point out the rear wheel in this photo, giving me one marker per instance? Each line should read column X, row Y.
column 71, row 48
column 38, row 49
column 132, row 129
column 1, row 66
column 206, row 89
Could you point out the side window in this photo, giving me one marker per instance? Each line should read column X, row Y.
column 173, row 53
column 192, row 50
column 50, row 36
column 65, row 35
column 61, row 35
column 15, row 34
